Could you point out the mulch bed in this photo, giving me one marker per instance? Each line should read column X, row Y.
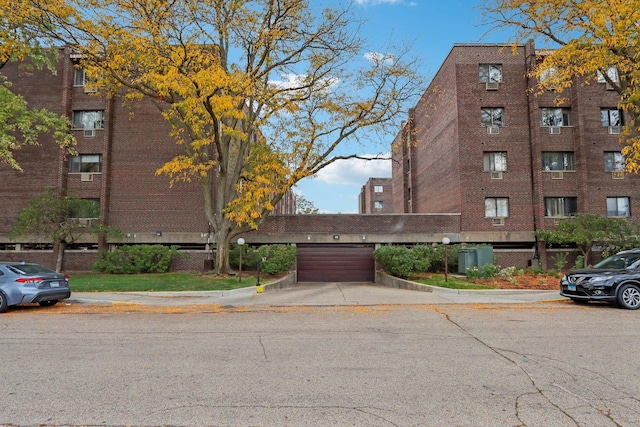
column 524, row 281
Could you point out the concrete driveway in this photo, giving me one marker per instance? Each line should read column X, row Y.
column 317, row 294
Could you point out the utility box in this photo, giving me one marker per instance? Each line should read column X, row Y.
column 467, row 258
column 474, row 257
column 484, row 255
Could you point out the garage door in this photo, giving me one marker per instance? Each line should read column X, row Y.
column 335, row 263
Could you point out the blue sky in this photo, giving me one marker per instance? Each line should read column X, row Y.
column 433, row 27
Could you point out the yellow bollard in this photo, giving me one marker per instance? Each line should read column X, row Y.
column 260, row 289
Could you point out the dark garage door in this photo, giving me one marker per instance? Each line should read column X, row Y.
column 335, row 263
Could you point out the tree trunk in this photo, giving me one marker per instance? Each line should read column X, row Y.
column 222, row 239
column 59, row 251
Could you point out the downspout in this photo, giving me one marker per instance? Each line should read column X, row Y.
column 529, row 52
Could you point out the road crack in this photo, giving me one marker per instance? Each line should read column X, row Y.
column 538, row 390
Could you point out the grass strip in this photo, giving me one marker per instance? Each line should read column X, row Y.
column 162, row 282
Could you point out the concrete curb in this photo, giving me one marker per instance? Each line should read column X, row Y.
column 384, row 279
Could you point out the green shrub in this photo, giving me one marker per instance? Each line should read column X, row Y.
column 437, row 257
column 277, row 258
column 401, row 261
column 484, row 272
column 560, row 260
column 136, row 259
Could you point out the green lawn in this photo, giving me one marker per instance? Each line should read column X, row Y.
column 158, row 282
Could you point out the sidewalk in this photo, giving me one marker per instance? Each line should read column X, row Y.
column 318, row 294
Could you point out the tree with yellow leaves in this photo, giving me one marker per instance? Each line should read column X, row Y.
column 595, row 39
column 21, row 125
column 259, row 94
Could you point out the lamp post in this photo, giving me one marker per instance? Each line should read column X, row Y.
column 445, row 242
column 240, row 243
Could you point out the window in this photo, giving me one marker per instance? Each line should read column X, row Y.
column 496, row 207
column 86, row 208
column 612, row 73
column 88, row 119
column 377, row 188
column 610, row 117
column 492, row 116
column 378, row 204
column 79, row 77
column 555, row 117
column 618, row 206
column 490, row 73
column 614, row 161
column 495, row 161
column 548, row 73
column 84, row 163
column 558, row 161
column 560, row 206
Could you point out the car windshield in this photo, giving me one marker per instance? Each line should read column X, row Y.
column 620, row 261
column 29, row 269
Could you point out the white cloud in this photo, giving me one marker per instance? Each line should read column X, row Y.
column 289, row 80
column 375, row 2
column 378, row 57
column 354, row 171
column 298, row 80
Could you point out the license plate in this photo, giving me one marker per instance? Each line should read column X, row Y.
column 571, row 287
column 54, row 284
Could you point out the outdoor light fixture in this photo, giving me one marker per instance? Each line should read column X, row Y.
column 336, row 237
column 159, row 233
column 445, row 242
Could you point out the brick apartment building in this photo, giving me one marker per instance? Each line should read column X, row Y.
column 376, row 197
column 478, row 160
column 480, row 144
column 120, row 146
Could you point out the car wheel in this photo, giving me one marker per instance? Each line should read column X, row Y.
column 3, row 303
column 629, row 297
column 48, row 303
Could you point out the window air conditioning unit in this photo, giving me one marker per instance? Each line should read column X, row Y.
column 86, row 177
column 89, row 89
column 555, row 130
column 617, row 175
column 496, row 174
column 557, row 175
column 493, row 130
column 497, row 221
column 89, row 133
column 492, row 85
column 614, row 130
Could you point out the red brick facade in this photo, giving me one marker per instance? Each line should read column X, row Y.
column 439, row 185
column 376, row 197
column 439, row 157
column 133, row 143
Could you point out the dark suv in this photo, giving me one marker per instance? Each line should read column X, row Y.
column 615, row 279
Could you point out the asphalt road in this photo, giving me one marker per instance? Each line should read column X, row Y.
column 527, row 364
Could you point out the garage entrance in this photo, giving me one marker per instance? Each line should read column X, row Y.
column 335, row 263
